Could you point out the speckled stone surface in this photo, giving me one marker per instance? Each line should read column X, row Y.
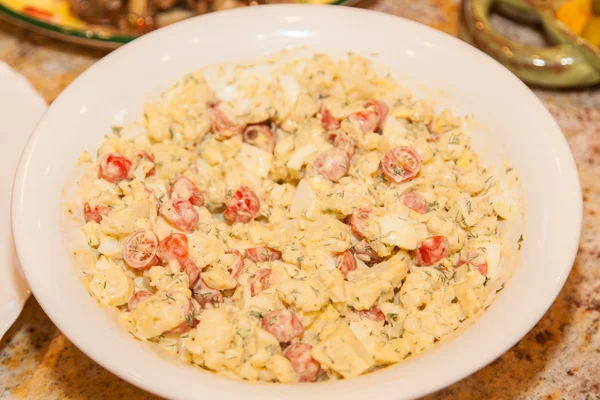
column 558, row 359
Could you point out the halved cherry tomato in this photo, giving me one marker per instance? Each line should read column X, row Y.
column 114, row 167
column 260, row 136
column 181, row 214
column 37, row 13
column 305, row 366
column 381, row 110
column 173, row 248
column 243, row 206
column 184, row 188
column 139, row 250
column 96, row 213
column 223, row 122
column 328, row 122
column 238, row 262
column 364, row 252
column 205, row 296
column 431, row 250
column 415, row 202
column 401, row 164
column 372, row 117
column 333, row 164
column 359, row 221
column 259, row 281
column 346, row 263
column 137, row 298
column 367, row 119
column 476, row 260
column 192, row 271
column 283, row 324
column 374, row 314
column 262, row 254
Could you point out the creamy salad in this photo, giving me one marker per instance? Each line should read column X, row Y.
column 314, row 225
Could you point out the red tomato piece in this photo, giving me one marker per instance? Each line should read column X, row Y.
column 137, row 298
column 431, row 250
column 374, row 314
column 415, row 202
column 305, row 366
column 96, row 213
column 346, row 263
column 333, row 164
column 205, row 296
column 37, row 13
column 401, row 164
column 192, row 271
column 359, row 221
column 328, row 122
column 381, row 111
column 223, row 122
column 260, row 136
column 476, row 260
column 243, row 206
column 173, row 247
column 114, row 167
column 184, row 188
column 238, row 263
column 372, row 117
column 140, row 248
column 283, row 324
column 259, row 281
column 364, row 252
column 262, row 254
column 181, row 214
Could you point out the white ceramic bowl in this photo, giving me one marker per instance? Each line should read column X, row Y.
column 118, row 85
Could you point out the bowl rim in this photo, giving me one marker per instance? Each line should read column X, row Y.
column 62, row 321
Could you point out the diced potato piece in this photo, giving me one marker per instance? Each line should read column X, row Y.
column 398, row 231
column 112, row 286
column 342, row 352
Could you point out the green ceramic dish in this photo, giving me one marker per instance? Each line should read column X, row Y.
column 571, row 61
column 61, row 25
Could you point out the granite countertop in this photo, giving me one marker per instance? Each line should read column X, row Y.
column 558, row 359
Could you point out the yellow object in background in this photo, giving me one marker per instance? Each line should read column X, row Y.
column 575, row 14
column 591, row 31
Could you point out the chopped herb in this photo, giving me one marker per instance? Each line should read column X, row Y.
column 393, row 317
column 500, row 289
column 191, row 317
column 432, row 206
column 116, row 130
column 520, row 241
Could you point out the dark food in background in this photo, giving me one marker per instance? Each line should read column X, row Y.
column 141, row 16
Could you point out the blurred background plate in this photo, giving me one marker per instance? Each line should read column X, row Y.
column 109, row 24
